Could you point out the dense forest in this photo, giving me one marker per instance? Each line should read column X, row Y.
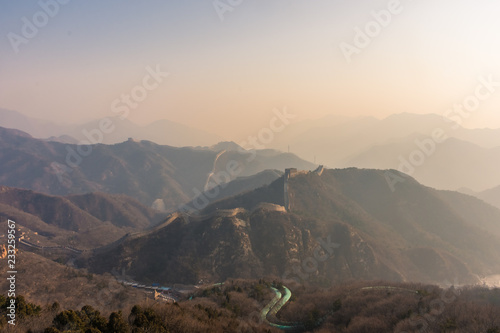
column 236, row 306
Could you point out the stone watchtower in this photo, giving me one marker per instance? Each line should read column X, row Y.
column 290, row 172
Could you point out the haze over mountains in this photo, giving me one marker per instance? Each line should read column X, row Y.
column 241, row 191
column 491, row 196
column 149, row 172
column 249, row 166
column 161, row 131
column 160, row 214
column 82, row 221
column 463, row 158
column 450, row 164
column 416, row 234
column 225, row 192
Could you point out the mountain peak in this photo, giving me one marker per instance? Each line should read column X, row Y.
column 226, row 145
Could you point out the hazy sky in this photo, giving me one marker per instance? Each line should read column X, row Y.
column 228, row 75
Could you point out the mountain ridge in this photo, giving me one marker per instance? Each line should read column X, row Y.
column 164, row 175
column 161, row 131
column 378, row 236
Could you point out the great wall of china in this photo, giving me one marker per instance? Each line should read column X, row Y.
column 293, row 172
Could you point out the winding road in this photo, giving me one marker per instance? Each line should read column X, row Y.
column 274, row 306
column 279, row 300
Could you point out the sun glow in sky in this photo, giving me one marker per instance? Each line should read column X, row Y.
column 227, row 76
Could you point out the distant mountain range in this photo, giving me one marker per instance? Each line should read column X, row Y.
column 151, row 173
column 333, row 141
column 163, row 132
column 345, row 224
column 467, row 157
column 336, row 140
column 450, row 164
column 491, row 196
column 226, row 205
